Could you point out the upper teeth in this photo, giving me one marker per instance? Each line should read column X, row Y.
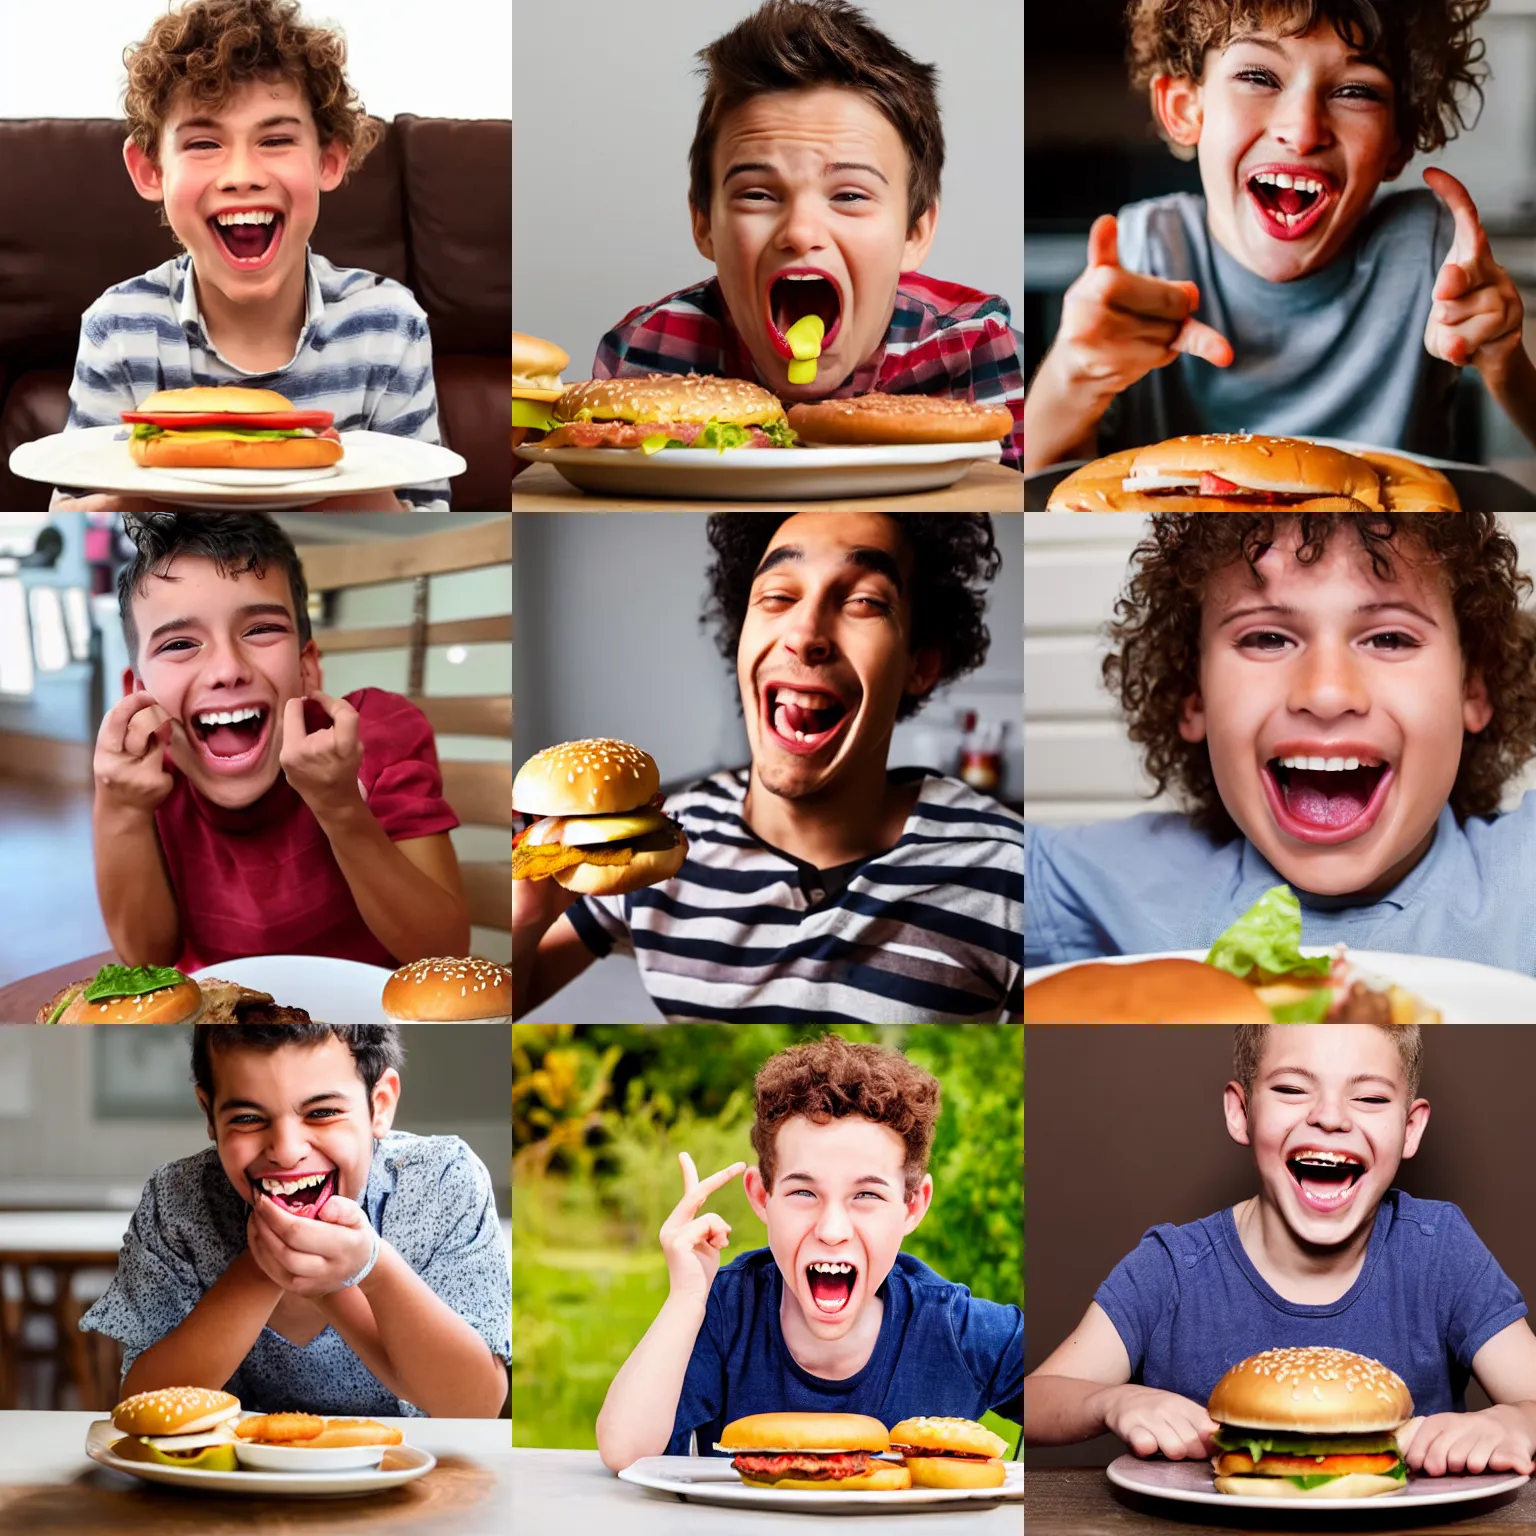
column 1324, row 1157
column 251, row 216
column 228, row 716
column 801, row 277
column 1281, row 179
column 833, row 1269
column 292, row 1186
column 1329, row 764
column 804, row 700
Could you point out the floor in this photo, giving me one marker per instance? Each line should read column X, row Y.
column 48, row 910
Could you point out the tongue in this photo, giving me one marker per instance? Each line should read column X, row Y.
column 1325, row 799
column 1292, row 201
column 232, row 740
column 829, row 1290
column 247, row 241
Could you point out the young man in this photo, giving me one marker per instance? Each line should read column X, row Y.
column 831, row 1317
column 819, row 885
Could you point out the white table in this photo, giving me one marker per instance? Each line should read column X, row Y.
column 573, row 1492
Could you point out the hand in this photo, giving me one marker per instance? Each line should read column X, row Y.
column 130, row 765
column 361, row 501
column 1496, row 1440
column 322, row 766
column 691, row 1242
column 1117, row 326
column 1477, row 316
column 537, row 904
column 309, row 1255
column 1152, row 1421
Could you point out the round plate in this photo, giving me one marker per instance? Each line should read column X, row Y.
column 1191, row 1482
column 265, row 478
column 294, row 1458
column 765, row 474
column 335, row 991
column 402, row 1464
column 711, row 1480
column 1464, row 992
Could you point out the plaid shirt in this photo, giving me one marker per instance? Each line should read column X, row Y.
column 943, row 339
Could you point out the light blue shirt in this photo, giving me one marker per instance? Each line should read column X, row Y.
column 1151, row 882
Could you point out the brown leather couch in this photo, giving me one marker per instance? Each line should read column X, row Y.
column 431, row 207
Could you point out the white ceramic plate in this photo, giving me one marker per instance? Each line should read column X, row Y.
column 335, row 991
column 96, row 459
column 766, row 474
column 1465, row 993
column 294, row 1458
column 710, row 1480
column 402, row 1464
column 1191, row 1482
column 246, row 477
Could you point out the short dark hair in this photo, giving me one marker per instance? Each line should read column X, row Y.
column 375, row 1048
column 953, row 555
column 795, row 45
column 236, row 542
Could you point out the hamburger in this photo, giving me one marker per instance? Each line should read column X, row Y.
column 601, row 829
column 1408, row 485
column 882, row 420
column 187, row 1427
column 950, row 1453
column 227, row 427
column 151, row 994
column 536, row 385
column 1309, row 1423
column 815, row 1451
column 1143, row 992
column 1241, row 471
column 669, row 411
column 451, row 991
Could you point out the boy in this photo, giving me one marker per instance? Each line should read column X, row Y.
column 383, row 1289
column 239, row 810
column 821, row 885
column 1326, row 1253
column 819, row 151
column 1340, row 702
column 238, row 107
column 831, row 1317
column 1324, row 311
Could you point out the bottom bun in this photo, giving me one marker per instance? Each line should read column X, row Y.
column 619, row 879
column 954, row 1472
column 1354, row 1485
column 879, row 1479
column 170, row 452
column 1143, row 992
column 180, row 1004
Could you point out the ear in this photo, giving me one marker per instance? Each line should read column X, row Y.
column 703, row 240
column 1177, row 108
column 386, row 1095
column 923, row 673
column 309, row 667
column 1192, row 717
column 915, row 252
column 334, row 159
column 143, row 173
column 1418, row 1119
column 1234, row 1104
column 1398, row 162
column 1476, row 711
column 757, row 1192
column 207, row 1109
column 917, row 1205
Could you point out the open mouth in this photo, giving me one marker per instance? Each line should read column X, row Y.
column 304, row 1194
column 799, row 292
column 249, row 238
column 803, row 720
column 1326, row 799
column 1326, row 1179
column 231, row 739
column 831, row 1285
column 1288, row 205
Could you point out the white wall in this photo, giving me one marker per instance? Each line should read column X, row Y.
column 449, row 58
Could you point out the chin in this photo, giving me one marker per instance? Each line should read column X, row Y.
column 236, row 795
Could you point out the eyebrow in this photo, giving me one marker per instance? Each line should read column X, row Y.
column 1312, row 1077
column 250, row 610
column 876, row 561
column 1259, row 41
column 314, row 1098
column 806, row 1178
column 215, row 122
column 1282, row 610
column 744, row 166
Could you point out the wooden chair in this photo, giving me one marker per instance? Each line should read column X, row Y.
column 480, row 793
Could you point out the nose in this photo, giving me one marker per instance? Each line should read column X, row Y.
column 1327, row 682
column 807, row 632
column 287, row 1144
column 833, row 1225
column 223, row 665
column 1330, row 1111
column 1301, row 122
column 240, row 169
column 801, row 229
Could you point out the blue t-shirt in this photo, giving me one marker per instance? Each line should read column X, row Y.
column 1146, row 883
column 941, row 1351
column 1189, row 1304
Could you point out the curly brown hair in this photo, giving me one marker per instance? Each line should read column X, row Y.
column 1425, row 47
column 211, row 47
column 1156, row 632
column 829, row 1078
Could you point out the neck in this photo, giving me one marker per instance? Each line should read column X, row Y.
column 1300, row 1271
column 859, row 814
column 260, row 330
column 830, row 1359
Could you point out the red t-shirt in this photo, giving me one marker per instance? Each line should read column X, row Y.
column 263, row 880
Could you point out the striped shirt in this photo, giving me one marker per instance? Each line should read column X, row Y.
column 928, row 931
column 943, row 339
column 364, row 353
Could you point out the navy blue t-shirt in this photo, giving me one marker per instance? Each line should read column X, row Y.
column 1189, row 1304
column 941, row 1351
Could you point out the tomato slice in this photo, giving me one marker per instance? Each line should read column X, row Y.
column 276, row 421
column 1301, row 1466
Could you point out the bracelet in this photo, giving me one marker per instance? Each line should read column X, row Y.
column 366, row 1270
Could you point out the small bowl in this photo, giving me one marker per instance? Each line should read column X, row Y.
column 294, row 1458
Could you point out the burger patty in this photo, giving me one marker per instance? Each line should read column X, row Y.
column 630, row 434
column 925, row 1452
column 828, row 1467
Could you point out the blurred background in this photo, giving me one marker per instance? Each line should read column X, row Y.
column 86, row 1115
column 599, row 1115
column 1090, row 147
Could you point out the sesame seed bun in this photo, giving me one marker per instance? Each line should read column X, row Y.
column 1283, row 466
column 536, row 367
column 1353, row 1485
column 223, row 397
column 964, row 1436
column 1323, row 1391
column 791, row 1432
column 882, row 419
column 448, row 991
column 1097, row 487
column 174, row 1411
column 1143, row 992
column 671, row 397
column 595, row 777
column 180, row 1004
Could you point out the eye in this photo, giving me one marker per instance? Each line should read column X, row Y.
column 858, row 197
column 1374, row 1099
column 765, row 598
column 278, row 141
column 754, row 195
column 203, row 144
column 268, row 629
column 243, row 1122
column 1289, row 1089
column 1256, row 77
column 1263, row 640
column 877, row 603
column 173, row 645
column 1393, row 640
column 873, row 1194
column 325, row 1113
column 795, row 1192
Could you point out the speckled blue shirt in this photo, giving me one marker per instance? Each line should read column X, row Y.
column 429, row 1197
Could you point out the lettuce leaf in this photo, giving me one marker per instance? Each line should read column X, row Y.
column 1267, row 938
column 130, row 981
column 144, row 430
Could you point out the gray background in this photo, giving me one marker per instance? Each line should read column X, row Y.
column 604, row 103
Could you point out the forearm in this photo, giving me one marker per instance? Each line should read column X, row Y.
column 1515, row 391
column 637, row 1414
column 1062, row 1410
column 407, row 911
column 134, row 887
column 1061, row 419
column 206, row 1349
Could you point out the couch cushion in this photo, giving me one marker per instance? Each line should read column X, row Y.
column 36, row 405
column 362, row 223
column 474, row 413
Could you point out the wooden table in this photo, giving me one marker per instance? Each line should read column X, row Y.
column 20, row 1001
column 48, row 1484
column 1081, row 1501
column 983, row 488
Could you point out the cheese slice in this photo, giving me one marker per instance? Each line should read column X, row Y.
column 585, row 831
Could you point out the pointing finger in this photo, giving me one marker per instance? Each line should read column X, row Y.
column 690, row 1173
column 1469, row 228
column 1199, row 340
column 1104, row 242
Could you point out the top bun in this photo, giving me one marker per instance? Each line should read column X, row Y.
column 1409, row 486
column 597, row 777
column 671, row 397
column 965, row 1435
column 1326, row 1391
column 224, row 397
column 181, row 1004
column 536, row 366
column 805, row 1432
column 1285, row 465
column 448, row 991
column 174, row 1411
column 1143, row 992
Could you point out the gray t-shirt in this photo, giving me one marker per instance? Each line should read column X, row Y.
column 1338, row 353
